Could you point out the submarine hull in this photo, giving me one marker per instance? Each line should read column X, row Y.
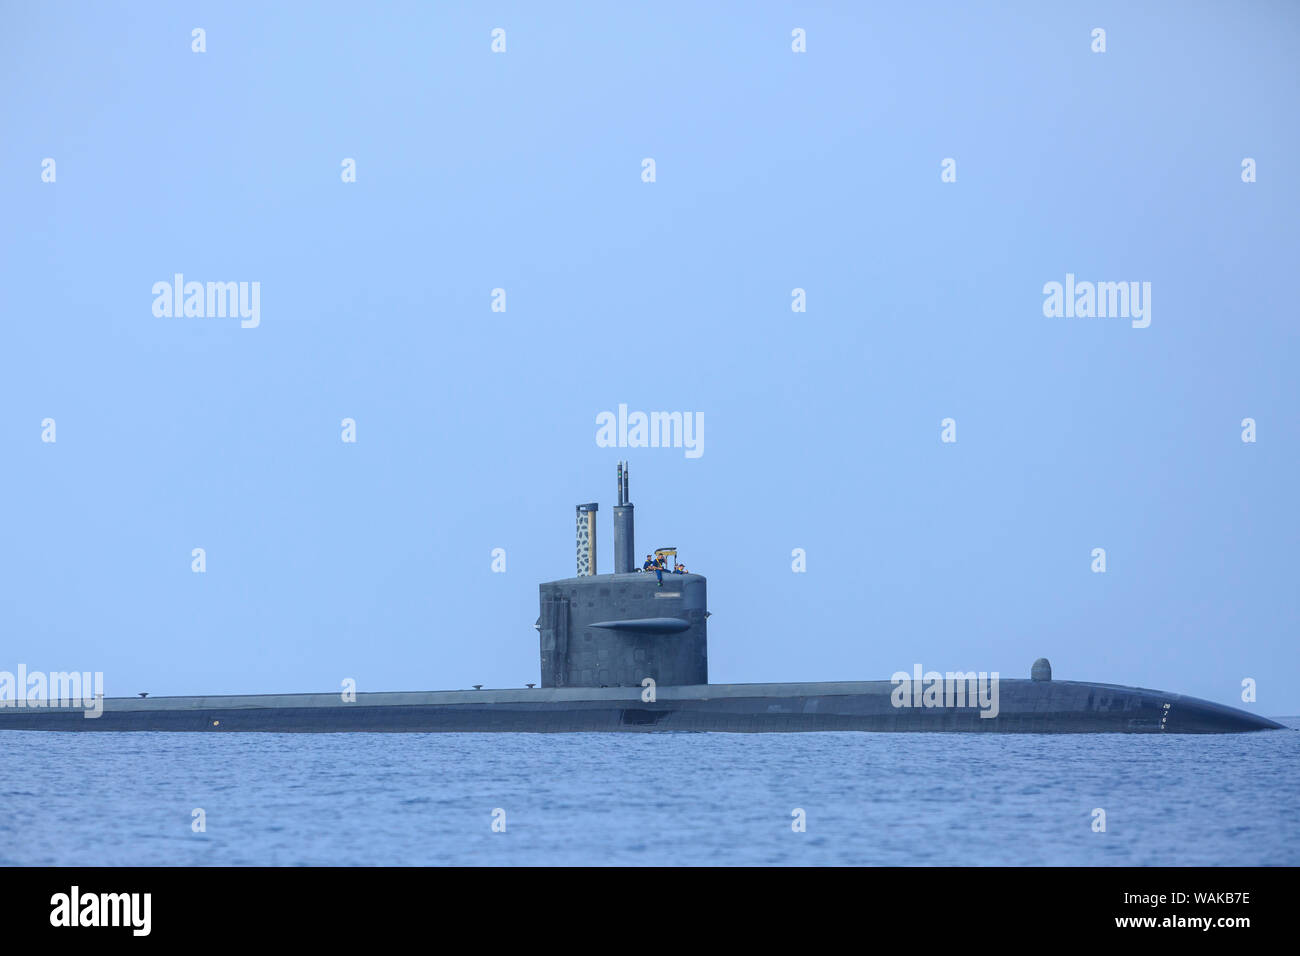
column 1021, row 706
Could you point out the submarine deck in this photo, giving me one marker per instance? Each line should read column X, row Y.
column 1020, row 706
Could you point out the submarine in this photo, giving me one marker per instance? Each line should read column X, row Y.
column 628, row 652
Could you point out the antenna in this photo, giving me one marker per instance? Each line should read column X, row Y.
column 624, row 530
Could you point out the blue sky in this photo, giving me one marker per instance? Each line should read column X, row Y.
column 476, row 429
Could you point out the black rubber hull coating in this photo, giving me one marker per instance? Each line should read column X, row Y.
column 1028, row 707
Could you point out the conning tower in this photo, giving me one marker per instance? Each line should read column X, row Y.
column 615, row 630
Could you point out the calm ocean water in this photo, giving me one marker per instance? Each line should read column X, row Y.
column 638, row 799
